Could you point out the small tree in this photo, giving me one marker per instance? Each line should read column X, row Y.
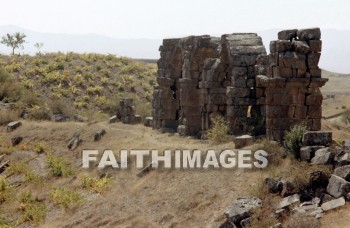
column 38, row 46
column 14, row 41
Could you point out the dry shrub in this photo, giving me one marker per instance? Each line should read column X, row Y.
column 61, row 106
column 274, row 150
column 9, row 89
column 218, row 133
column 7, row 116
column 265, row 215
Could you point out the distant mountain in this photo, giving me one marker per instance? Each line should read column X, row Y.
column 335, row 52
column 134, row 48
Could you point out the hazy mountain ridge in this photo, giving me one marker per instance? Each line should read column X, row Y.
column 335, row 51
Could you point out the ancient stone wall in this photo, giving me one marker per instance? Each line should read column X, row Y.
column 231, row 76
column 293, row 82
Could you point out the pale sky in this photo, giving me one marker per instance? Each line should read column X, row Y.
column 162, row 18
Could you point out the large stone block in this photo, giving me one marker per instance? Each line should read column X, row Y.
column 292, row 60
column 315, row 45
column 314, row 111
column 241, row 208
column 237, row 92
column 317, row 138
column 337, row 186
column 282, row 72
column 244, row 60
column 313, row 59
column 287, row 34
column 332, row 204
column 309, row 34
column 283, row 45
column 243, row 141
column 314, row 99
column 300, row 46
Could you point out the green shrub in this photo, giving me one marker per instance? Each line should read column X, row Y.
column 67, row 198
column 218, row 133
column 95, row 184
column 293, row 138
column 58, row 166
column 9, row 90
column 32, row 210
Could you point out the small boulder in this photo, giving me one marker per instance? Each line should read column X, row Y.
column 337, row 186
column 241, row 208
column 59, row 118
column 113, row 119
column 13, row 125
column 322, row 157
column 308, row 152
column 333, row 204
column 98, row 135
column 16, row 140
column 288, row 201
column 242, row 141
column 148, row 122
column 182, row 130
column 74, row 142
column 343, row 172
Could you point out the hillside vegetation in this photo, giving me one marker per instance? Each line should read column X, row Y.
column 71, row 83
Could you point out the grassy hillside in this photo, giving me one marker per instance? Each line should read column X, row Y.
column 82, row 83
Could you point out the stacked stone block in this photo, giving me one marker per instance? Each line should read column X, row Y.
column 241, row 54
column 127, row 112
column 292, row 90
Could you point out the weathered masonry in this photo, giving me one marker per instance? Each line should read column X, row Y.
column 232, row 76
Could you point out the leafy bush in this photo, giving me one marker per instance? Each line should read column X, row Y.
column 218, row 133
column 293, row 139
column 61, row 106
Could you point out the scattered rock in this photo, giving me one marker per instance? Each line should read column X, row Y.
column 317, row 138
column 4, row 165
column 241, row 208
column 337, row 186
column 59, row 118
column 308, row 152
column 182, row 130
column 322, row 157
column 16, row 140
column 13, row 125
column 343, row 172
column 281, row 213
column 148, row 122
column 113, row 119
column 326, row 197
column 245, row 223
column 333, row 204
column 288, row 188
column 288, row 201
column 318, row 179
column 242, row 141
column 98, row 135
column 80, row 118
column 274, row 186
column 74, row 142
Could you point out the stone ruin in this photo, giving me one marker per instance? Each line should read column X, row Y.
column 127, row 112
column 232, row 76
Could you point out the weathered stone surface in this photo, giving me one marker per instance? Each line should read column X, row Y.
column 182, row 130
column 16, row 140
column 74, row 142
column 113, row 119
column 283, row 45
column 13, row 125
column 288, row 201
column 315, row 45
column 148, row 122
column 287, row 34
column 309, row 34
column 98, row 135
column 317, row 138
column 333, row 204
column 240, row 209
column 343, row 172
column 308, row 152
column 337, row 186
column 322, row 157
column 242, row 141
column 300, row 46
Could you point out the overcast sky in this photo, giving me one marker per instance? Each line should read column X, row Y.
column 162, row 18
